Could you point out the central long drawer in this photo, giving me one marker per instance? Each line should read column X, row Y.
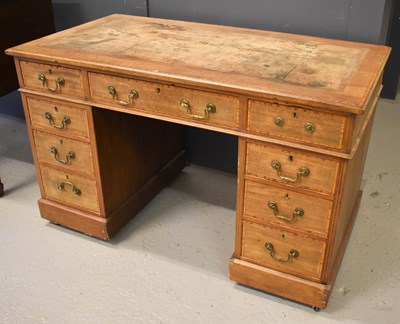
column 170, row 100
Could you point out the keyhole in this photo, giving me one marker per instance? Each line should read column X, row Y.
column 295, row 115
column 283, row 236
column 286, row 197
column 158, row 90
column 55, row 108
column 61, row 141
column 67, row 176
column 50, row 71
column 291, row 158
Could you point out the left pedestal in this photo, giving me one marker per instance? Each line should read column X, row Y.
column 97, row 168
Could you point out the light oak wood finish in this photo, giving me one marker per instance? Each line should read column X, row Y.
column 78, row 121
column 279, row 283
column 106, row 228
column 349, row 202
column 329, row 129
column 317, row 211
column 81, row 162
column 323, row 171
column 218, row 57
column 134, row 146
column 87, row 199
column 311, row 252
column 73, row 79
column 165, row 99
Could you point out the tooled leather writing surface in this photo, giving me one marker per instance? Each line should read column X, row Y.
column 333, row 72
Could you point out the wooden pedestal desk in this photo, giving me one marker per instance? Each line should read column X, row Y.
column 104, row 103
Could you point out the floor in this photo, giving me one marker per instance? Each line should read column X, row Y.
column 169, row 264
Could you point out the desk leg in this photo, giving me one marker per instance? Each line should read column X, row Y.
column 1, row 188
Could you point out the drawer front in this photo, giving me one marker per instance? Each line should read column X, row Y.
column 166, row 100
column 70, row 189
column 52, row 79
column 286, row 166
column 308, row 263
column 67, row 153
column 296, row 124
column 55, row 116
column 285, row 207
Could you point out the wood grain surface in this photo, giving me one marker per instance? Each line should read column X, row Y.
column 336, row 74
column 72, row 87
column 82, row 162
column 128, row 149
column 323, row 171
column 307, row 265
column 165, row 99
column 77, row 114
column 328, row 130
column 88, row 199
column 317, row 211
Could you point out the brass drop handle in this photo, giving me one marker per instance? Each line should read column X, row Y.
column 75, row 190
column 297, row 212
column 292, row 253
column 303, row 172
column 309, row 127
column 59, row 82
column 65, row 121
column 133, row 94
column 210, row 108
column 69, row 156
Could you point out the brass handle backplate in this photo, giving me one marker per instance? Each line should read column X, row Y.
column 65, row 121
column 59, row 82
column 292, row 253
column 75, row 190
column 68, row 157
column 302, row 172
column 210, row 108
column 133, row 94
column 297, row 212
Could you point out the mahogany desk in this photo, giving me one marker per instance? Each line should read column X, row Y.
column 104, row 101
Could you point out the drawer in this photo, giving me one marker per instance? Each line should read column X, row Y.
column 58, row 117
column 52, row 79
column 291, row 167
column 70, row 189
column 296, row 124
column 307, row 264
column 166, row 100
column 285, row 207
column 63, row 152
